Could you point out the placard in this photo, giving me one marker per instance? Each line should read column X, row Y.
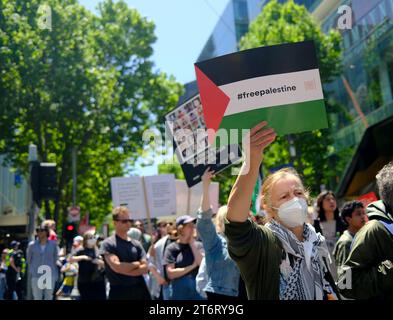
column 279, row 84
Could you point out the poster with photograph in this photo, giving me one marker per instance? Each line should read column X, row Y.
column 187, row 127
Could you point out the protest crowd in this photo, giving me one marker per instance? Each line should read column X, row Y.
column 89, row 97
column 283, row 252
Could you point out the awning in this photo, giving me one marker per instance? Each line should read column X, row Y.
column 374, row 151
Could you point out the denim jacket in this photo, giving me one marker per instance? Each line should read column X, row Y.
column 223, row 274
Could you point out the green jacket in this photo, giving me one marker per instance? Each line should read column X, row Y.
column 258, row 254
column 342, row 249
column 368, row 271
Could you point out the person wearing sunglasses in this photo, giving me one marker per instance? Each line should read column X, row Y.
column 125, row 261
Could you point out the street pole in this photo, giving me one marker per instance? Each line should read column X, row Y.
column 33, row 160
column 74, row 176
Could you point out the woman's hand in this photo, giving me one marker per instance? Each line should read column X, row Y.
column 256, row 141
column 206, row 178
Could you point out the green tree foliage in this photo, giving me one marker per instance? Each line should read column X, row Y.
column 285, row 23
column 88, row 82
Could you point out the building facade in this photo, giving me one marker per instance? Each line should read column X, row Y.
column 13, row 205
column 364, row 89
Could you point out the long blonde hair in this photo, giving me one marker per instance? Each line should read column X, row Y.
column 219, row 219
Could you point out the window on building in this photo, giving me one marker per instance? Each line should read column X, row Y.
column 383, row 10
column 241, row 30
column 240, row 10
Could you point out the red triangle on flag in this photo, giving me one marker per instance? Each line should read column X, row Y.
column 214, row 102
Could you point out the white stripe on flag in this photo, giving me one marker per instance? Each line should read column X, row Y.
column 307, row 83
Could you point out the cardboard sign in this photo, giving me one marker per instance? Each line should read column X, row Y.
column 189, row 199
column 196, row 196
column 128, row 191
column 161, row 195
column 279, row 84
column 187, row 127
column 182, row 197
column 158, row 192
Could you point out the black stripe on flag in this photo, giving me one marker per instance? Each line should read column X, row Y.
column 263, row 61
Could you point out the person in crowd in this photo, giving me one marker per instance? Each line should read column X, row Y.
column 284, row 259
column 160, row 288
column 91, row 280
column 15, row 272
column 182, row 259
column 354, row 216
column 70, row 271
column 145, row 238
column 3, row 270
column 224, row 280
column 368, row 271
column 135, row 233
column 125, row 261
column 51, row 224
column 77, row 244
column 161, row 229
column 329, row 223
column 42, row 256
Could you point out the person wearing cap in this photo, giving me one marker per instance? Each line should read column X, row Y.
column 125, row 261
column 42, row 255
column 182, row 259
column 221, row 279
column 77, row 244
column 14, row 272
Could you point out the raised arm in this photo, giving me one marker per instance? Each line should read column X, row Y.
column 206, row 179
column 206, row 229
column 241, row 194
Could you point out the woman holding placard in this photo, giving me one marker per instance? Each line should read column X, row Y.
column 285, row 259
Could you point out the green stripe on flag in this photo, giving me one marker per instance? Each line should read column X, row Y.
column 290, row 118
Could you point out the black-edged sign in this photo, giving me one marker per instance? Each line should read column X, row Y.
column 187, row 127
column 280, row 84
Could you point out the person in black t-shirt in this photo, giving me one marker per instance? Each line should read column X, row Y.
column 91, row 280
column 182, row 259
column 125, row 261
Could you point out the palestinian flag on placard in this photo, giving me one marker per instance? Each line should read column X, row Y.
column 280, row 84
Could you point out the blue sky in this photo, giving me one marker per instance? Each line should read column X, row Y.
column 182, row 29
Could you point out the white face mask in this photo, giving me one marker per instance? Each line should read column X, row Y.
column 293, row 213
column 91, row 243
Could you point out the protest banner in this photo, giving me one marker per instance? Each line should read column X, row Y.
column 187, row 128
column 279, row 84
column 146, row 197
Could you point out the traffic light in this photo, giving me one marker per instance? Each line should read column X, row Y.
column 70, row 232
column 44, row 181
